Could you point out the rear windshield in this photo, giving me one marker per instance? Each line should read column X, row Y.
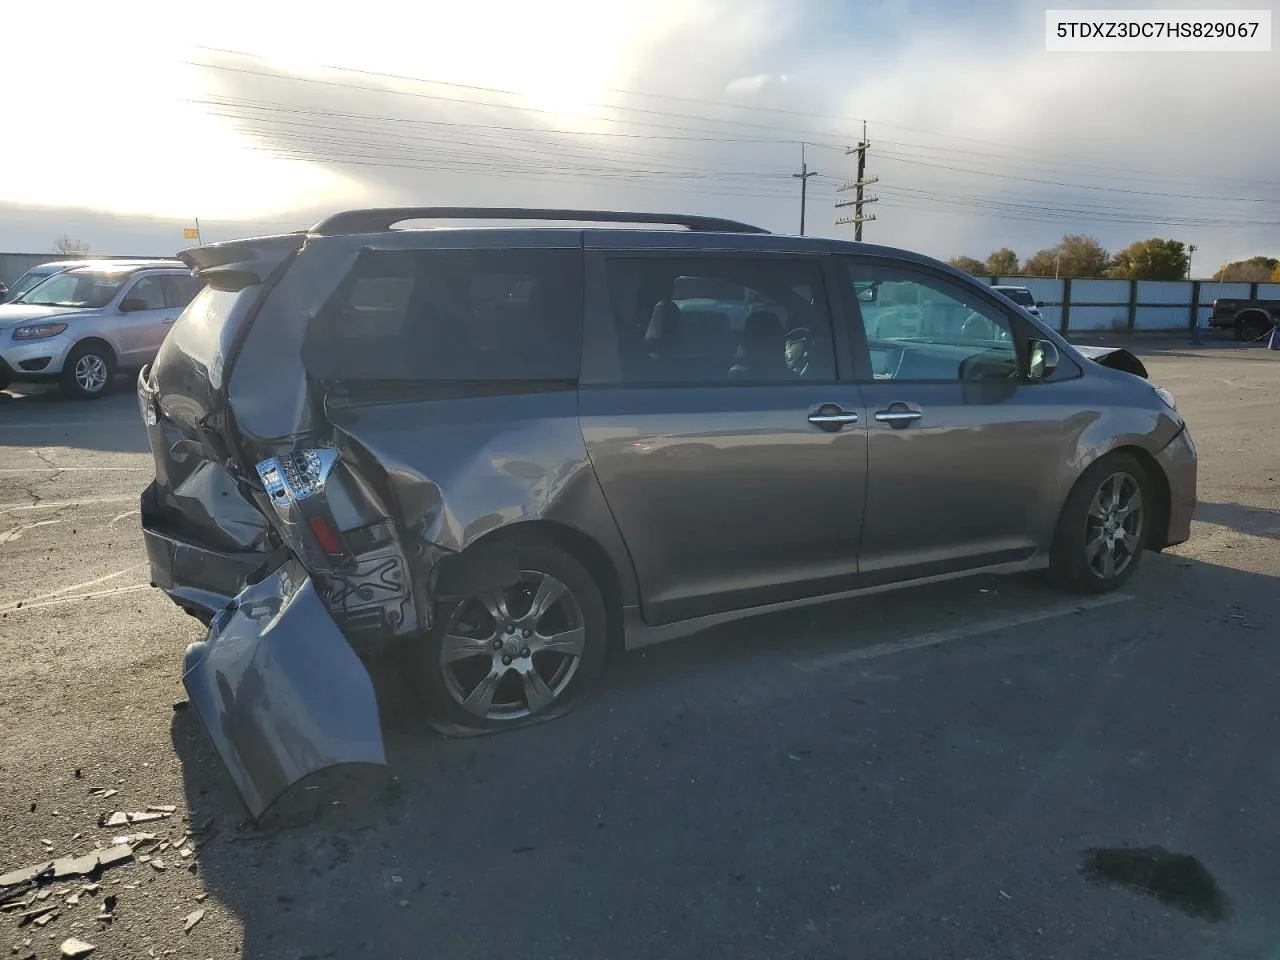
column 451, row 315
column 1018, row 296
column 201, row 339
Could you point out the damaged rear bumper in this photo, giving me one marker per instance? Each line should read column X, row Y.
column 280, row 690
column 200, row 579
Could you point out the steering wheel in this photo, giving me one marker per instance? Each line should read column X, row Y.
column 978, row 327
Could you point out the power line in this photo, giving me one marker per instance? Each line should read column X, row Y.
column 1054, row 158
column 1077, row 186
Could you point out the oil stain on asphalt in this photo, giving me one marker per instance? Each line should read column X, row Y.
column 1177, row 880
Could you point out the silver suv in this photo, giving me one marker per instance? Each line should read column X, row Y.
column 80, row 325
column 499, row 453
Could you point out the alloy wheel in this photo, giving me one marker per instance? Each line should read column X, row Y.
column 510, row 653
column 1113, row 526
column 91, row 373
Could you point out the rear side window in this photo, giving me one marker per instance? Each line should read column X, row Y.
column 716, row 320
column 451, row 315
column 180, row 291
column 148, row 292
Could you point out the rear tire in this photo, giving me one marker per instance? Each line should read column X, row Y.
column 494, row 662
column 88, row 371
column 1253, row 326
column 1103, row 528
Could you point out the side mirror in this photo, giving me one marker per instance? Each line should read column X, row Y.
column 132, row 304
column 1043, row 359
column 1040, row 303
column 869, row 294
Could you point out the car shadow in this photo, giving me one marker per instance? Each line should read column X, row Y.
column 713, row 800
column 1255, row 521
column 42, row 415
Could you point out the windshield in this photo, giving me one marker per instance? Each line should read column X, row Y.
column 26, row 282
column 1019, row 296
column 94, row 289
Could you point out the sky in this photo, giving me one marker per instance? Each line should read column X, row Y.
column 127, row 121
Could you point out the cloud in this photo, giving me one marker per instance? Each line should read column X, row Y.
column 755, row 83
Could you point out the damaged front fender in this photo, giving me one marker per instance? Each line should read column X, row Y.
column 1117, row 358
column 280, row 690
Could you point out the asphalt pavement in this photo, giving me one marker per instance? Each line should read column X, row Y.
column 982, row 769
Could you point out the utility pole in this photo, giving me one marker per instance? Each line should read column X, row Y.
column 858, row 218
column 804, row 175
column 1191, row 249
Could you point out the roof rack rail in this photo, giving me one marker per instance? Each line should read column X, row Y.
column 383, row 218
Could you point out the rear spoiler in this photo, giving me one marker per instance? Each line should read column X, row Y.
column 236, row 264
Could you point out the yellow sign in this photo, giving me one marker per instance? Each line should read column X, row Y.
column 190, row 233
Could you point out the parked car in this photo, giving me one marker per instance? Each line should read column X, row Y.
column 43, row 271
column 1023, row 298
column 35, row 275
column 497, row 455
column 79, row 326
column 1247, row 319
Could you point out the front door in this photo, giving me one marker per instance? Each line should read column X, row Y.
column 729, row 452
column 963, row 452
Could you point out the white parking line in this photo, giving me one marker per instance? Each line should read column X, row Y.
column 60, row 504
column 936, row 637
column 15, row 533
column 49, row 469
column 74, row 598
column 71, row 423
column 61, row 594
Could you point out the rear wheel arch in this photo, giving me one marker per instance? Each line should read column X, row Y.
column 584, row 548
column 1251, row 320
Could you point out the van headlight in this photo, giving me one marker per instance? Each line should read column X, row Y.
column 39, row 331
column 1166, row 398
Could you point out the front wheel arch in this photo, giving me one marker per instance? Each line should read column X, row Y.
column 1067, row 571
column 102, row 348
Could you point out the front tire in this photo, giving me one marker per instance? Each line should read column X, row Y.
column 88, row 371
column 516, row 655
column 1104, row 527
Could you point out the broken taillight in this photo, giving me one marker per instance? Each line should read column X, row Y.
column 323, row 530
column 294, row 483
column 299, row 475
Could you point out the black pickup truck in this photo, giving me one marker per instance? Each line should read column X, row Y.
column 1250, row 319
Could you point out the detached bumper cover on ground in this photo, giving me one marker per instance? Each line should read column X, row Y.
column 280, row 690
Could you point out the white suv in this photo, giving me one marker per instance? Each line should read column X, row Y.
column 78, row 327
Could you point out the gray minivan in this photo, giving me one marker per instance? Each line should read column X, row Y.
column 500, row 453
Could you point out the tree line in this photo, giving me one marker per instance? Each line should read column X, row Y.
column 1079, row 255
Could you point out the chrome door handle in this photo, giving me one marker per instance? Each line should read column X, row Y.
column 826, row 419
column 170, row 319
column 898, row 418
